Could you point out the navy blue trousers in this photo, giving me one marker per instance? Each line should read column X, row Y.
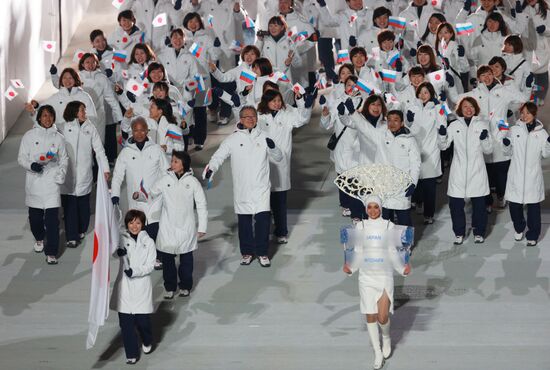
column 184, row 271
column 45, row 223
column 254, row 236
column 76, row 211
column 279, row 212
column 458, row 216
column 533, row 219
column 128, row 325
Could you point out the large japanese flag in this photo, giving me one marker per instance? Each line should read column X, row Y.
column 106, row 233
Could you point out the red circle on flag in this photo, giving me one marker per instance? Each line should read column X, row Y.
column 11, row 93
column 159, row 19
column 125, row 39
column 434, row 2
column 121, row 1
column 49, row 46
column 437, row 77
column 376, row 74
column 135, row 87
column 42, row 158
column 80, row 55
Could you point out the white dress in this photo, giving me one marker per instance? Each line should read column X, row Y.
column 375, row 257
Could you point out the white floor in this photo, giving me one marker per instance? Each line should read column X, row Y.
column 476, row 306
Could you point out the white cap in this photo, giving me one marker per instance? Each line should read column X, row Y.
column 371, row 198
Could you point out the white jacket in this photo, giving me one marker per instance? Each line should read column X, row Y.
column 250, row 157
column 522, row 69
column 233, row 75
column 468, row 175
column 367, row 144
column 341, row 21
column 411, row 14
column 101, row 90
column 178, row 224
column 134, row 295
column 279, row 128
column 494, row 104
column 525, row 183
column 120, row 40
column 181, row 69
column 42, row 189
column 532, row 40
column 60, row 99
column 400, row 151
column 145, row 12
column 81, row 141
column 277, row 53
column 427, row 120
column 134, row 166
column 485, row 46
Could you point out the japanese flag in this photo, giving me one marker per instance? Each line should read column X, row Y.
column 135, row 87
column 18, row 84
column 49, row 46
column 297, row 88
column 77, row 55
column 437, row 4
column 118, row 3
column 10, row 93
column 160, row 20
column 437, row 77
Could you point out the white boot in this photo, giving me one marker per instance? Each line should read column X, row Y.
column 372, row 327
column 386, row 339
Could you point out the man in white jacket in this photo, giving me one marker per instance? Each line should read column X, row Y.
column 250, row 151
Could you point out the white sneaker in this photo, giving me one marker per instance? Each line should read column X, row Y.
column 518, row 237
column 212, row 115
column 264, row 261
column 282, row 240
column 531, row 243
column 169, row 294
column 346, row 212
column 39, row 246
column 82, row 236
column 71, row 244
column 131, row 361
column 51, row 260
column 386, row 346
column 223, row 121
column 478, row 239
column 246, row 260
column 184, row 293
column 428, row 220
column 146, row 349
column 198, row 147
column 458, row 240
column 378, row 360
column 502, row 203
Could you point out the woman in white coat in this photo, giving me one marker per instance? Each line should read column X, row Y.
column 394, row 146
column 517, row 66
column 376, row 257
column 250, row 151
column 126, row 35
column 140, row 164
column 180, row 192
column 489, row 42
column 527, row 142
column 132, row 295
column 42, row 154
column 277, row 121
column 468, row 176
column 179, row 63
column 81, row 141
column 424, row 118
column 452, row 55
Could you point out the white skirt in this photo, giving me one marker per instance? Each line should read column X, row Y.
column 369, row 297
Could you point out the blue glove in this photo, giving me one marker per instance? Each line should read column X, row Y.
column 208, row 174
column 446, row 62
column 341, row 109
column 352, row 41
column 121, row 252
column 412, row 52
column 322, row 100
column 270, row 143
column 236, row 100
column 108, row 72
column 442, row 95
column 217, row 91
column 217, row 43
column 529, row 80
column 507, row 141
column 473, row 82
column 131, row 96
column 519, row 7
column 53, row 69
column 115, row 200
column 128, row 272
column 37, row 167
column 541, row 29
column 308, row 100
column 398, row 65
column 177, row 4
column 467, row 5
column 450, row 79
column 461, row 51
column 410, row 116
column 191, row 103
column 513, row 12
column 548, row 139
column 167, row 41
column 321, row 3
column 349, row 105
column 509, row 113
column 410, row 190
column 484, row 135
column 442, row 130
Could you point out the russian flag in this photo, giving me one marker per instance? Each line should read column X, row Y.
column 119, row 56
column 247, row 76
column 249, row 22
column 50, row 154
column 301, row 36
column 210, row 21
column 397, row 22
column 142, row 189
column 503, row 126
column 363, row 86
column 444, row 110
column 283, row 77
column 464, row 28
column 208, row 98
column 343, row 56
column 174, row 134
column 388, row 75
column 201, row 87
column 392, row 60
column 321, row 83
column 142, row 38
column 196, row 50
column 182, row 110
